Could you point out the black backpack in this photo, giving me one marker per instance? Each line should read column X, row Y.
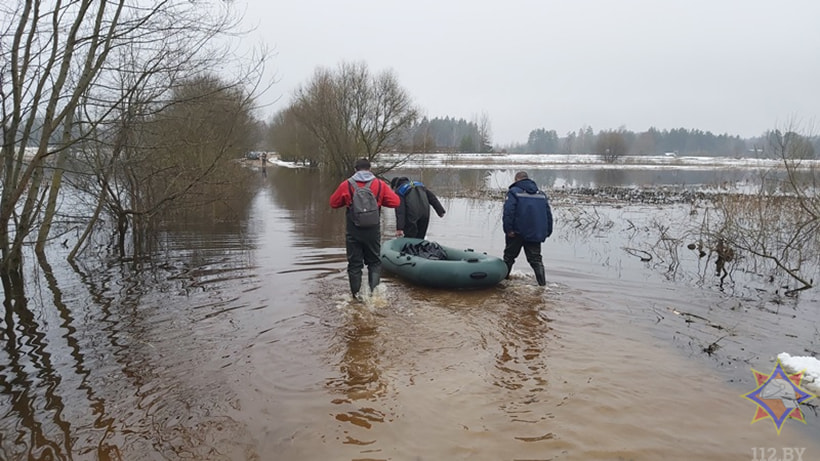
column 364, row 208
column 418, row 206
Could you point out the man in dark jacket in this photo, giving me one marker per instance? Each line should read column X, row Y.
column 363, row 244
column 413, row 213
column 527, row 223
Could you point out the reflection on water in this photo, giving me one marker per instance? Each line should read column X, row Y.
column 360, row 377
column 557, row 177
column 239, row 341
column 418, row 364
column 562, row 178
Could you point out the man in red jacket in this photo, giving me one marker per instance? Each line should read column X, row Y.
column 363, row 244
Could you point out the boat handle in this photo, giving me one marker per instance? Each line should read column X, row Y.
column 472, row 260
column 478, row 275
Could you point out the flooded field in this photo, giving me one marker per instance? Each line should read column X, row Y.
column 239, row 341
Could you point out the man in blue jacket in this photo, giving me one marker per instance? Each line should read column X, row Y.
column 527, row 224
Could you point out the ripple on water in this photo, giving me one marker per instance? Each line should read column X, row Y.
column 516, row 370
column 263, row 352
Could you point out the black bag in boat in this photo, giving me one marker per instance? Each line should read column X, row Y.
column 424, row 249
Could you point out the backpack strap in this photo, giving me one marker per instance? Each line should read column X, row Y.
column 350, row 184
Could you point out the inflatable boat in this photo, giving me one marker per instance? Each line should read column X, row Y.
column 433, row 265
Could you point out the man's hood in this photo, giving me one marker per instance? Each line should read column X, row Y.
column 398, row 181
column 528, row 185
column 363, row 176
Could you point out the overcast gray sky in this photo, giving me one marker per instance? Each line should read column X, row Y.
column 735, row 66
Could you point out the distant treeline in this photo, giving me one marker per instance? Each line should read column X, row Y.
column 653, row 141
column 348, row 112
column 459, row 135
column 448, row 135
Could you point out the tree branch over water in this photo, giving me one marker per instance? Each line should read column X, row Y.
column 779, row 222
column 81, row 84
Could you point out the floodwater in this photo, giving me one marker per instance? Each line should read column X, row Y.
column 239, row 341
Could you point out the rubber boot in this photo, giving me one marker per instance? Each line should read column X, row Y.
column 355, row 283
column 540, row 276
column 509, row 269
column 374, row 274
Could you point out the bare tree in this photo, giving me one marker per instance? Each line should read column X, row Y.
column 292, row 140
column 611, row 145
column 779, row 225
column 177, row 155
column 72, row 71
column 485, row 133
column 353, row 113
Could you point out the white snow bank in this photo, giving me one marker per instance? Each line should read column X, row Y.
column 283, row 163
column 811, row 365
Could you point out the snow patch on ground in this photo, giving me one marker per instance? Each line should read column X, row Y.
column 796, row 364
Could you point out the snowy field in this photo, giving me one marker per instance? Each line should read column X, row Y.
column 581, row 161
column 512, row 161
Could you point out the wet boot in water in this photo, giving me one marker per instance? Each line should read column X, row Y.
column 355, row 283
column 540, row 276
column 374, row 274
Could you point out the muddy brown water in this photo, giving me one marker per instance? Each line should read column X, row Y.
column 239, row 341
